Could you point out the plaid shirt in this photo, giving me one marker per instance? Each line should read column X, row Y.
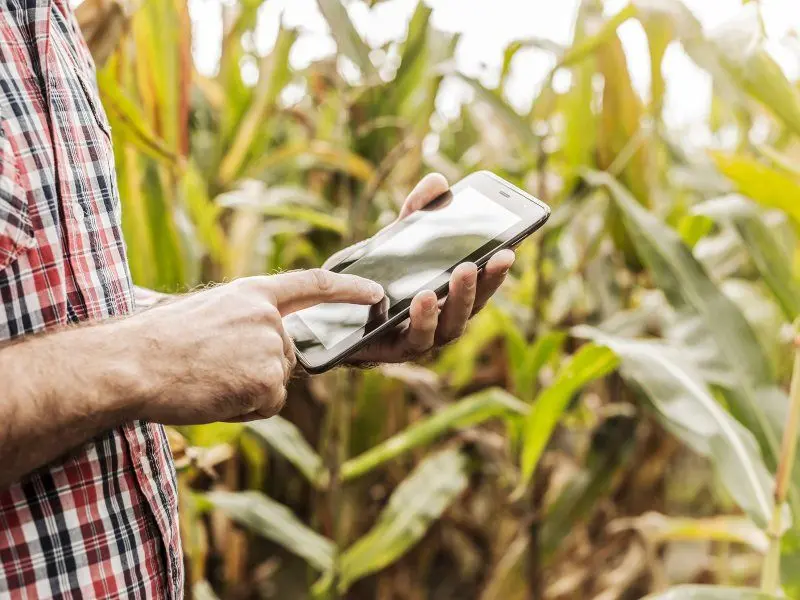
column 101, row 522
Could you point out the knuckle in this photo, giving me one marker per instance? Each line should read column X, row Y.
column 323, row 280
column 270, row 312
column 240, row 285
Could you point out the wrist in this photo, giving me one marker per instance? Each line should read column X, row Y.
column 127, row 353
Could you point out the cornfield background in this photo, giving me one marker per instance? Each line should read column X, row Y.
column 609, row 427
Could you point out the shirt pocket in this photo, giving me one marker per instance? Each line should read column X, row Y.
column 16, row 229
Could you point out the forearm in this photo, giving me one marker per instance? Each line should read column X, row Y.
column 61, row 389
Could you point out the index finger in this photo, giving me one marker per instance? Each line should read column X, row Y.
column 300, row 289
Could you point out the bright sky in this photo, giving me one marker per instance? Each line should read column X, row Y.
column 487, row 26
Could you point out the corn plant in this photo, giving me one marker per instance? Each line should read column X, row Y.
column 625, row 395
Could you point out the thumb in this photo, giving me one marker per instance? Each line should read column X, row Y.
column 426, row 191
column 297, row 290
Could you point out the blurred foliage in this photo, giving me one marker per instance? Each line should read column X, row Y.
column 608, row 427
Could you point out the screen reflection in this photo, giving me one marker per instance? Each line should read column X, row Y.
column 427, row 244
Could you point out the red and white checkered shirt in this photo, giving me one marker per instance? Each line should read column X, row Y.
column 101, row 522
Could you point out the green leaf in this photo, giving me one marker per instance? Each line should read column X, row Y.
column 580, row 126
column 315, row 154
column 265, row 203
column 767, row 186
column 609, row 450
column 212, row 434
column 587, row 46
column 274, row 74
column 285, row 438
column 464, row 413
column 415, row 505
column 610, row 447
column 589, row 363
column 267, row 518
column 753, row 398
column 459, row 361
column 772, row 261
column 127, row 117
column 534, row 357
column 740, row 44
column 693, row 228
column 203, row 213
column 513, row 121
column 659, row 33
column 347, row 38
column 686, row 407
column 620, row 143
column 414, row 66
column 658, row 528
column 711, row 592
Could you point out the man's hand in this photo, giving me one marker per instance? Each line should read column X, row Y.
column 434, row 323
column 224, row 354
column 220, row 354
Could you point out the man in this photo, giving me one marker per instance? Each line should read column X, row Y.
column 87, row 486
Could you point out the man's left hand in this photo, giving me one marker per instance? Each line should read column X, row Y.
column 433, row 322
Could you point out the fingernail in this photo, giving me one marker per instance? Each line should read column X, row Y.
column 377, row 291
column 428, row 304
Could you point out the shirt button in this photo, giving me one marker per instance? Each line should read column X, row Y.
column 77, row 211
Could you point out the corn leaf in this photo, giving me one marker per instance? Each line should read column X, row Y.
column 611, row 447
column 515, row 122
column 125, row 116
column 141, row 252
column 589, row 45
column 269, row 519
column 580, row 128
column 589, row 363
column 285, row 438
column 282, row 203
column 416, row 503
column 467, row 412
column 212, row 434
column 767, row 186
column 659, row 528
column 316, row 154
column 533, row 357
column 508, row 579
column 458, row 361
column 710, row 592
column 347, row 38
column 274, row 75
column 692, row 228
column 685, row 406
column 753, row 399
column 414, row 61
column 740, row 45
column 609, row 450
column 659, row 33
column 203, row 213
column 619, row 141
column 772, row 261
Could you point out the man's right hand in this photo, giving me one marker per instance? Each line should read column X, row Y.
column 222, row 354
